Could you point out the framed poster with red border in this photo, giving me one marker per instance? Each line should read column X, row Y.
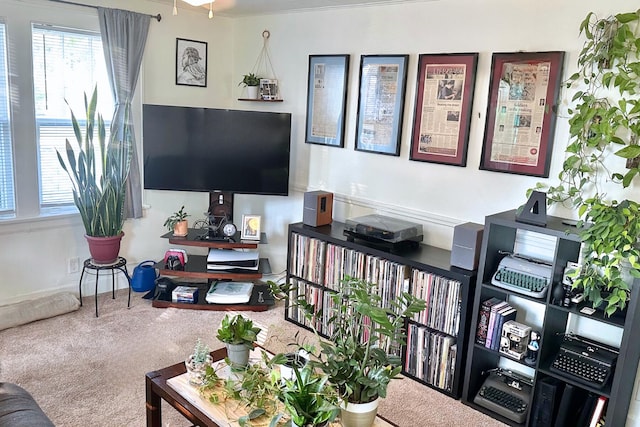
column 523, row 92
column 444, row 97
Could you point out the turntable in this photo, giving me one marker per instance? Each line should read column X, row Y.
column 384, row 232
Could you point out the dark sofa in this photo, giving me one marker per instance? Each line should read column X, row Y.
column 19, row 409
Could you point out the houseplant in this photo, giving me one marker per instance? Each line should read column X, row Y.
column 178, row 223
column 239, row 334
column 604, row 128
column 251, row 82
column 362, row 354
column 98, row 175
column 198, row 362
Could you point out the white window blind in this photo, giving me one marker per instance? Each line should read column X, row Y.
column 67, row 64
column 7, row 199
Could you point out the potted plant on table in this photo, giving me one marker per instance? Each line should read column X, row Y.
column 178, row 223
column 239, row 335
column 251, row 82
column 198, row 362
column 605, row 120
column 98, row 174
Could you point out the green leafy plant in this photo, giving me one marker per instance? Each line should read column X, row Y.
column 604, row 121
column 98, row 173
column 250, row 80
column 362, row 354
column 175, row 218
column 200, row 352
column 238, row 330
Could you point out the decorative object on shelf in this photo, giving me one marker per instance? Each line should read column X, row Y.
column 250, row 227
column 443, row 108
column 603, row 120
column 383, row 81
column 194, row 3
column 239, row 334
column 178, row 222
column 267, row 86
column 534, row 210
column 98, row 177
column 144, row 276
column 514, row 141
column 251, row 82
column 191, row 62
column 533, row 348
column 198, row 362
column 327, row 99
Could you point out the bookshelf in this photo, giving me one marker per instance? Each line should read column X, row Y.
column 503, row 234
column 318, row 257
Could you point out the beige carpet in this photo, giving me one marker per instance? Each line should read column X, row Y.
column 88, row 371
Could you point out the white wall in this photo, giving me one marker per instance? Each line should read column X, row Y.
column 34, row 254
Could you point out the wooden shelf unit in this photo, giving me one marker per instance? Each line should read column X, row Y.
column 424, row 258
column 500, row 234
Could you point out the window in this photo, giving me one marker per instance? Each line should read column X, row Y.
column 7, row 199
column 66, row 64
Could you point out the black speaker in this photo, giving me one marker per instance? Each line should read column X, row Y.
column 318, row 208
column 465, row 251
column 543, row 414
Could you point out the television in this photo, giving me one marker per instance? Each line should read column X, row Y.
column 216, row 150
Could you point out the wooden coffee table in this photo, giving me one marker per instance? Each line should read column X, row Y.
column 157, row 389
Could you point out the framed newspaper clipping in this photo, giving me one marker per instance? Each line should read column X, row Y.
column 383, row 80
column 444, row 97
column 520, row 124
column 327, row 99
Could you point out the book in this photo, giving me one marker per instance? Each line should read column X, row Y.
column 229, row 293
column 569, row 406
column 587, row 410
column 483, row 319
column 598, row 411
column 492, row 321
column 504, row 315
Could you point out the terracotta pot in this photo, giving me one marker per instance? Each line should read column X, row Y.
column 181, row 228
column 104, row 250
column 359, row 414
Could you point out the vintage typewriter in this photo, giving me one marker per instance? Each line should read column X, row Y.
column 506, row 393
column 585, row 361
column 524, row 275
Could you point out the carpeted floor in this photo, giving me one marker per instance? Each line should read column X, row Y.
column 88, row 371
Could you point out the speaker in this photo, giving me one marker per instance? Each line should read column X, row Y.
column 318, row 208
column 548, row 391
column 465, row 250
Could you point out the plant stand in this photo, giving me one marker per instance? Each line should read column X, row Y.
column 120, row 264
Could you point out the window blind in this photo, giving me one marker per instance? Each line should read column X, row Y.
column 7, row 196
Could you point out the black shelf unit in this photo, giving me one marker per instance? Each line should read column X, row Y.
column 423, row 257
column 500, row 236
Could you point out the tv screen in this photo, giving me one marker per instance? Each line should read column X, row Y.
column 207, row 149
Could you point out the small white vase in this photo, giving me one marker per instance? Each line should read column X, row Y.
column 252, row 92
column 238, row 355
column 359, row 414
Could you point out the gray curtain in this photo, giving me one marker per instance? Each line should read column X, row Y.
column 124, row 35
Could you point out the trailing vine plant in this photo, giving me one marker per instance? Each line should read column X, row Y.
column 604, row 120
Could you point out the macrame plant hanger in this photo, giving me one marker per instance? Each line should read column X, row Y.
column 263, row 68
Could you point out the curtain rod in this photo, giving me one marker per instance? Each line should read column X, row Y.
column 158, row 16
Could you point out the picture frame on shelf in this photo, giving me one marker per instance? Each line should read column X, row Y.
column 191, row 62
column 327, row 99
column 523, row 92
column 251, row 225
column 383, row 81
column 268, row 90
column 442, row 117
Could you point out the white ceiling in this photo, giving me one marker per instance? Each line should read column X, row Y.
column 237, row 8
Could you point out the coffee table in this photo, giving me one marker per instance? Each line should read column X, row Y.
column 158, row 389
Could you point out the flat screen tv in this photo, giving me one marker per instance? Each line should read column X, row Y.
column 207, row 149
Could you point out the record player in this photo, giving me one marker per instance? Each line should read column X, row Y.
column 384, row 232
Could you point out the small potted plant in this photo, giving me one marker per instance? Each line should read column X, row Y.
column 178, row 223
column 198, row 362
column 239, row 334
column 251, row 82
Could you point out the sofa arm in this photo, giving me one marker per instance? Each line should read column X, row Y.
column 19, row 409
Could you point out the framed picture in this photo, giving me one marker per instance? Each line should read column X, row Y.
column 191, row 63
column 383, row 80
column 269, row 89
column 250, row 227
column 327, row 99
column 444, row 97
column 523, row 92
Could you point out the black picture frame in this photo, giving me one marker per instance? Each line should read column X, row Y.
column 327, row 99
column 523, row 94
column 383, row 82
column 191, row 62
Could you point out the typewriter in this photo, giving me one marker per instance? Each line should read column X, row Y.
column 585, row 361
column 524, row 275
column 506, row 393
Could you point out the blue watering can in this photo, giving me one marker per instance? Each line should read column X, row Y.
column 144, row 276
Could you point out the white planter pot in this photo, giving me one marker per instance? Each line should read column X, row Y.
column 299, row 359
column 359, row 414
column 238, row 355
column 252, row 92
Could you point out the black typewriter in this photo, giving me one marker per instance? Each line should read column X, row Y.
column 506, row 393
column 585, row 361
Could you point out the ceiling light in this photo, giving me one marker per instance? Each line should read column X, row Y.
column 196, row 2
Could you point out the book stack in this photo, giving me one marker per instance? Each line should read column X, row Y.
column 494, row 313
column 186, row 294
